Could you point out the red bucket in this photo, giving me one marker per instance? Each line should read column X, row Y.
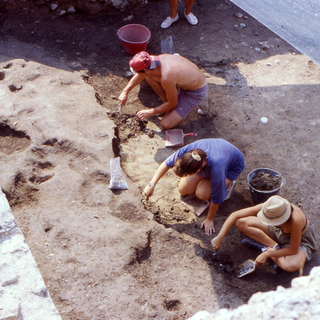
column 134, row 37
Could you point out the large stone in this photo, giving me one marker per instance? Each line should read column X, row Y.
column 301, row 301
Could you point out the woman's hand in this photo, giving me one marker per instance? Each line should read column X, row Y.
column 261, row 258
column 208, row 227
column 216, row 242
column 148, row 191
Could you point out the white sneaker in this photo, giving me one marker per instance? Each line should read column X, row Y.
column 192, row 19
column 229, row 190
column 168, row 22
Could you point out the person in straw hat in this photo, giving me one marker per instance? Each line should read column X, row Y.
column 278, row 229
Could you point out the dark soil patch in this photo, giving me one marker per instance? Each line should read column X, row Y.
column 265, row 182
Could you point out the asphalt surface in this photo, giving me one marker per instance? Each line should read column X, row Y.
column 297, row 22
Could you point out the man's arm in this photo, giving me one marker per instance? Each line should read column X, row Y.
column 134, row 81
column 172, row 97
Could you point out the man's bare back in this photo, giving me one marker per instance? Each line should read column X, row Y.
column 179, row 70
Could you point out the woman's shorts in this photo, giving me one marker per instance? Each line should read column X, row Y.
column 308, row 242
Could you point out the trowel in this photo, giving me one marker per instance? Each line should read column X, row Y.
column 245, row 268
column 175, row 137
column 195, row 205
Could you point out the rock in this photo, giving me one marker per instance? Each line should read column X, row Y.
column 301, row 301
column 129, row 18
column 71, row 10
column 239, row 15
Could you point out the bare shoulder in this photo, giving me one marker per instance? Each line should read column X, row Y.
column 170, row 67
column 181, row 72
column 297, row 210
column 174, row 60
column 298, row 215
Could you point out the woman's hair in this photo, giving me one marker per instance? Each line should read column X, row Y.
column 189, row 163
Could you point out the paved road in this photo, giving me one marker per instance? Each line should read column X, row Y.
column 297, row 22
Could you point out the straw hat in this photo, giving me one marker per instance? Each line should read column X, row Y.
column 275, row 211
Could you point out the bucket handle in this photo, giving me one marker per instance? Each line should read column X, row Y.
column 283, row 181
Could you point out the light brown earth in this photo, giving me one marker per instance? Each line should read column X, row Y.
column 108, row 255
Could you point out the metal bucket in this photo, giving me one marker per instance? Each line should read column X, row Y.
column 259, row 196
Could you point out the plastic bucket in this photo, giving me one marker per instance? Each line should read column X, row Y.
column 134, row 38
column 259, row 196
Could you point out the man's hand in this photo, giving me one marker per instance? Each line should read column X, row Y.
column 144, row 114
column 123, row 99
column 208, row 227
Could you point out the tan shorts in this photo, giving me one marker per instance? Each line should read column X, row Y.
column 308, row 242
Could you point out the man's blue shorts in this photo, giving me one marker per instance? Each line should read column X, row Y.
column 190, row 99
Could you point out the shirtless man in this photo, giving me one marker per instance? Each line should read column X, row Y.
column 166, row 74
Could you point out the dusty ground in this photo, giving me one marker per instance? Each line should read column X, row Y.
column 252, row 73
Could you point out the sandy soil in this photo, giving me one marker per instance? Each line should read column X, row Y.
column 251, row 73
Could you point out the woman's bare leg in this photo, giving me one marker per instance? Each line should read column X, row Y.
column 203, row 191
column 255, row 229
column 198, row 185
column 291, row 263
column 188, row 185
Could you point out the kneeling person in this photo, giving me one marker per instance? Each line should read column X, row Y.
column 178, row 81
column 207, row 167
